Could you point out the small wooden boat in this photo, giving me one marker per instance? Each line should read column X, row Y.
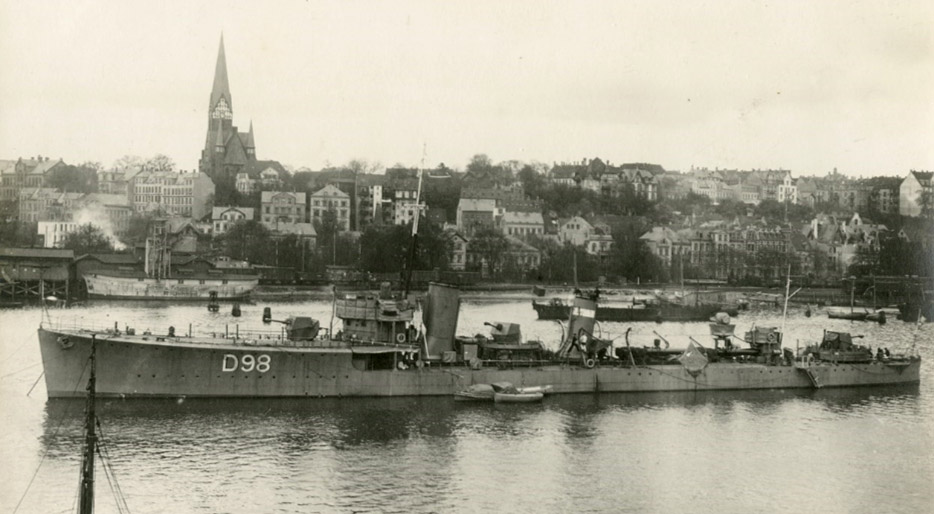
column 475, row 392
column 546, row 389
column 486, row 392
column 517, row 397
column 878, row 316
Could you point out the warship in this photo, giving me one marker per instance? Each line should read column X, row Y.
column 377, row 350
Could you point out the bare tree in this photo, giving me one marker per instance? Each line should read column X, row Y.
column 159, row 162
column 128, row 162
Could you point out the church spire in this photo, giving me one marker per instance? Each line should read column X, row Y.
column 249, row 138
column 221, row 87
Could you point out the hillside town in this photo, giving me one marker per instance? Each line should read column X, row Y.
column 585, row 219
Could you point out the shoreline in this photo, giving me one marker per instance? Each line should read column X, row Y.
column 516, row 291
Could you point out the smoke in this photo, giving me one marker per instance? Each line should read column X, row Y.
column 96, row 214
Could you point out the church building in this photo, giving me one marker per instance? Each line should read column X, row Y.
column 226, row 150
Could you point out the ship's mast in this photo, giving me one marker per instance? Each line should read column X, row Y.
column 852, row 292
column 157, row 259
column 410, row 265
column 86, row 501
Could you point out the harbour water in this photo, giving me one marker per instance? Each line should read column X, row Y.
column 844, row 450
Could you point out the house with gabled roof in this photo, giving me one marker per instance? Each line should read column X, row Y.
column 575, row 231
column 665, row 243
column 24, row 173
column 916, row 194
column 458, row 255
column 222, row 218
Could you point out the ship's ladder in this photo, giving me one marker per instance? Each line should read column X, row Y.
column 812, row 376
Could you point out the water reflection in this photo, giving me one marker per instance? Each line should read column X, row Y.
column 301, row 425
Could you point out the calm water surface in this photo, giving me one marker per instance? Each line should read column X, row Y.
column 848, row 450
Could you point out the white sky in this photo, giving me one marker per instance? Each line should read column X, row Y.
column 806, row 85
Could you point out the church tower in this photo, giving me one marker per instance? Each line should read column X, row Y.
column 226, row 151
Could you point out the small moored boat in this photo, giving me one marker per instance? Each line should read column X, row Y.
column 504, row 392
column 517, row 397
column 485, row 392
column 475, row 392
column 546, row 389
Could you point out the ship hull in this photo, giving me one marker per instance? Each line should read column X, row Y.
column 154, row 366
column 624, row 314
column 186, row 289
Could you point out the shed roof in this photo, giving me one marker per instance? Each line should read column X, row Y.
column 41, row 253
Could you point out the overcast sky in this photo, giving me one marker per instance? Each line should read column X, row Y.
column 804, row 85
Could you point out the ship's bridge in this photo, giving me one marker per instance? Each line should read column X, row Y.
column 374, row 318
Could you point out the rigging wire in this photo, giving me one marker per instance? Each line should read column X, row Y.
column 58, row 427
column 10, row 374
column 74, row 505
column 34, row 384
column 110, row 482
column 104, row 452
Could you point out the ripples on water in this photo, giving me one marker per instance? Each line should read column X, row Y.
column 846, row 450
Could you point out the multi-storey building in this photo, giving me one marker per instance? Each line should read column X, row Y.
column 523, row 224
column 637, row 176
column 44, row 204
column 602, row 177
column 259, row 175
column 330, row 198
column 665, row 243
column 787, row 190
column 370, row 202
column 68, row 211
column 884, row 194
column 167, row 192
column 458, row 261
column 113, row 181
column 807, row 191
column 53, row 233
column 283, row 207
column 517, row 257
column 111, row 212
column 405, row 201
column 839, row 240
column 722, row 250
column 504, row 210
column 916, row 194
column 24, row 174
column 575, row 231
column 474, row 214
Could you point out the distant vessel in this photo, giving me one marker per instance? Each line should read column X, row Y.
column 876, row 316
column 557, row 309
column 377, row 351
column 853, row 315
column 156, row 282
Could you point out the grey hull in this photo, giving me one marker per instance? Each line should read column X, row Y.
column 145, row 366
